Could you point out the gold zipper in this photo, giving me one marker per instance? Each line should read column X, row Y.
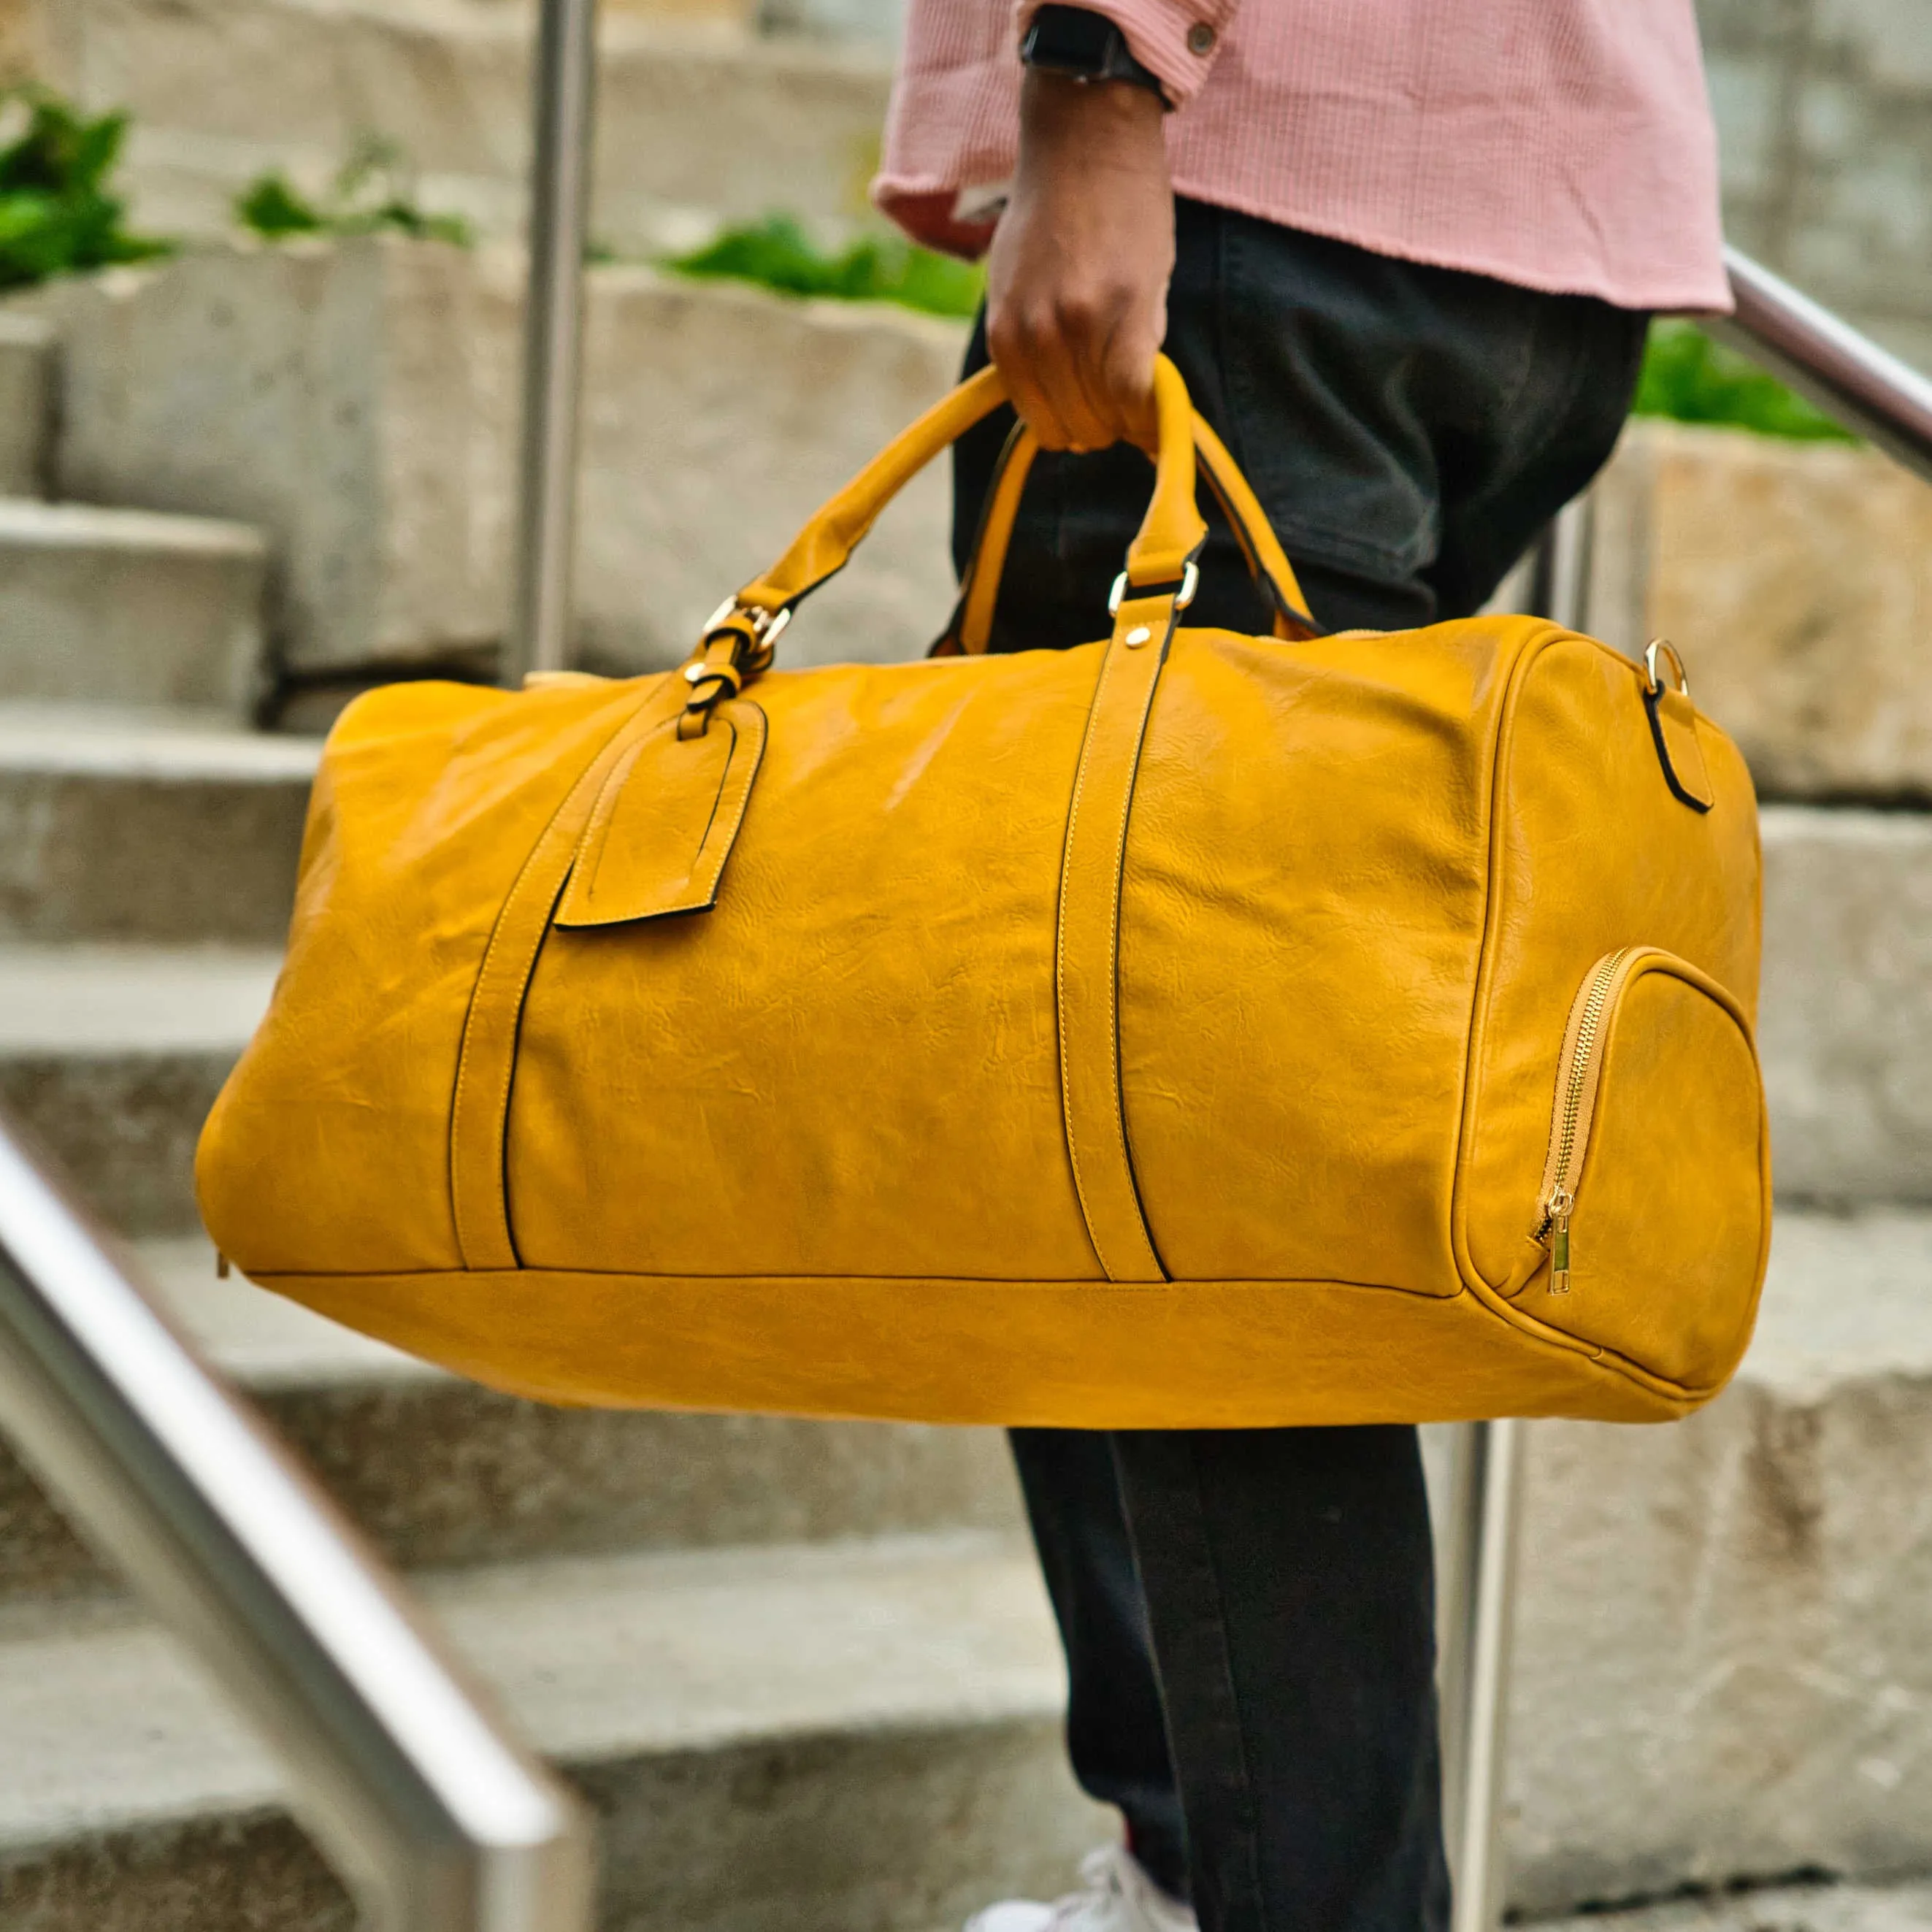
column 1569, row 1129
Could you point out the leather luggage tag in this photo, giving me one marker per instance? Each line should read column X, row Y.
column 665, row 822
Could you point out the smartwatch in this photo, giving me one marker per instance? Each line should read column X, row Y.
column 1087, row 46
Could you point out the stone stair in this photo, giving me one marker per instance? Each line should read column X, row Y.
column 113, row 1055
column 124, row 825
column 145, row 608
column 1722, row 1673
column 217, row 384
column 163, row 609
column 1793, row 1908
column 852, row 1734
column 26, row 403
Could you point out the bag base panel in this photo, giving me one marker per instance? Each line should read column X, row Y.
column 1081, row 1354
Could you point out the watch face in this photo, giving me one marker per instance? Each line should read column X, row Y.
column 1070, row 39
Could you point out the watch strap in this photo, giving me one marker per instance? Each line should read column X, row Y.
column 1086, row 45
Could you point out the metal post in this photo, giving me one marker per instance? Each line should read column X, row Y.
column 1478, row 1567
column 1478, row 1597
column 565, row 94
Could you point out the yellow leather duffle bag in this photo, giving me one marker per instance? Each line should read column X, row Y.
column 1184, row 1030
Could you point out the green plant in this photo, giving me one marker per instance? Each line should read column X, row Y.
column 777, row 253
column 271, row 206
column 57, row 214
column 1689, row 378
column 373, row 191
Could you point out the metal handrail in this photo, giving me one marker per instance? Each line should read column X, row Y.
column 434, row 1818
column 1824, row 358
column 1876, row 396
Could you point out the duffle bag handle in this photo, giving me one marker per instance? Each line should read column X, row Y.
column 737, row 641
column 969, row 630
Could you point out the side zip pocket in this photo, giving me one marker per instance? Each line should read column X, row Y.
column 1654, row 1206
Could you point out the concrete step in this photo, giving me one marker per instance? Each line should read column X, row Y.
column 441, row 1472
column 1724, row 1650
column 219, row 94
column 26, row 402
column 786, row 1740
column 1793, row 1908
column 127, row 606
column 138, row 827
column 113, row 1056
column 1845, row 1027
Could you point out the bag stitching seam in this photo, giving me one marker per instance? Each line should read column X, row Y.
column 498, row 1188
column 1120, row 1120
column 1060, row 964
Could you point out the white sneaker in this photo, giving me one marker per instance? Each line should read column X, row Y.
column 1117, row 1896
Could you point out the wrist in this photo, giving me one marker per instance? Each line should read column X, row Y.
column 1057, row 109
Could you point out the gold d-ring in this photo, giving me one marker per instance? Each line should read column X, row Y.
column 1663, row 646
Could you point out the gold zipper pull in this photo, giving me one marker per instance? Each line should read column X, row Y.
column 1561, row 1204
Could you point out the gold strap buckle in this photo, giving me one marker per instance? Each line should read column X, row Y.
column 766, row 627
column 1190, row 582
column 730, row 656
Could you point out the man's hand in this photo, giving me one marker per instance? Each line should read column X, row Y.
column 1076, row 283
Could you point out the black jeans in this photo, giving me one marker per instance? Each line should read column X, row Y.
column 1248, row 1615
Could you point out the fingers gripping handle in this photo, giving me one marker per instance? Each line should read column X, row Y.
column 737, row 643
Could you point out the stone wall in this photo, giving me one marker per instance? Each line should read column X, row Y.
column 357, row 401
column 1824, row 113
column 1796, row 579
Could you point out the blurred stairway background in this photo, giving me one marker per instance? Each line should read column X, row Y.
column 805, row 1670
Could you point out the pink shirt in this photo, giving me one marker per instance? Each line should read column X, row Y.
column 1564, row 144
